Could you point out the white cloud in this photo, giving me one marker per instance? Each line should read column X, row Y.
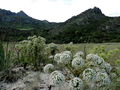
column 59, row 10
column 109, row 7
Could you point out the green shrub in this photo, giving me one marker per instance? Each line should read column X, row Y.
column 32, row 51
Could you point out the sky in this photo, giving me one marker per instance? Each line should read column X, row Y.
column 60, row 10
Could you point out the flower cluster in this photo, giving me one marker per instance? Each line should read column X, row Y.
column 64, row 57
column 107, row 67
column 57, row 57
column 89, row 75
column 68, row 52
column 102, row 79
column 95, row 59
column 48, row 68
column 97, row 74
column 76, row 84
column 78, row 62
column 99, row 62
column 57, row 78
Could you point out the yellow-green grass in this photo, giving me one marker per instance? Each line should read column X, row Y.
column 88, row 46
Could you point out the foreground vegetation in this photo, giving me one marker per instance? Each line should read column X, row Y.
column 64, row 62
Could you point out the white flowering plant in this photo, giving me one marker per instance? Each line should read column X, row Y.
column 76, row 84
column 48, row 68
column 102, row 79
column 78, row 62
column 89, row 75
column 57, row 78
column 91, row 70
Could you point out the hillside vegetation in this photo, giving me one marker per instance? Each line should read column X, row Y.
column 89, row 26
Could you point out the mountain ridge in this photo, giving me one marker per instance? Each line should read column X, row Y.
column 89, row 26
column 21, row 20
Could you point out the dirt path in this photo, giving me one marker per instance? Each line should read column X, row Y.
column 33, row 81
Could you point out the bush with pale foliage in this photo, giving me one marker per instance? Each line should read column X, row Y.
column 92, row 70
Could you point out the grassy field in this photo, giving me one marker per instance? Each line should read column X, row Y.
column 88, row 46
column 74, row 47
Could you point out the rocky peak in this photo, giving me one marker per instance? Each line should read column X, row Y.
column 4, row 12
column 22, row 13
column 95, row 11
column 92, row 13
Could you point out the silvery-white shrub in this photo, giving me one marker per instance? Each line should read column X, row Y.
column 98, row 69
column 65, row 58
column 57, row 57
column 92, row 57
column 96, row 60
column 48, row 68
column 102, row 79
column 57, row 78
column 107, row 67
column 78, row 62
column 76, row 84
column 89, row 75
column 68, row 52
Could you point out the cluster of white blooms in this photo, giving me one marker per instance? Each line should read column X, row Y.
column 57, row 57
column 68, row 52
column 95, row 59
column 48, row 68
column 97, row 73
column 102, row 79
column 64, row 57
column 57, row 78
column 78, row 62
column 97, row 69
column 80, row 53
column 90, row 56
column 107, row 67
column 89, row 75
column 98, row 61
column 76, row 84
